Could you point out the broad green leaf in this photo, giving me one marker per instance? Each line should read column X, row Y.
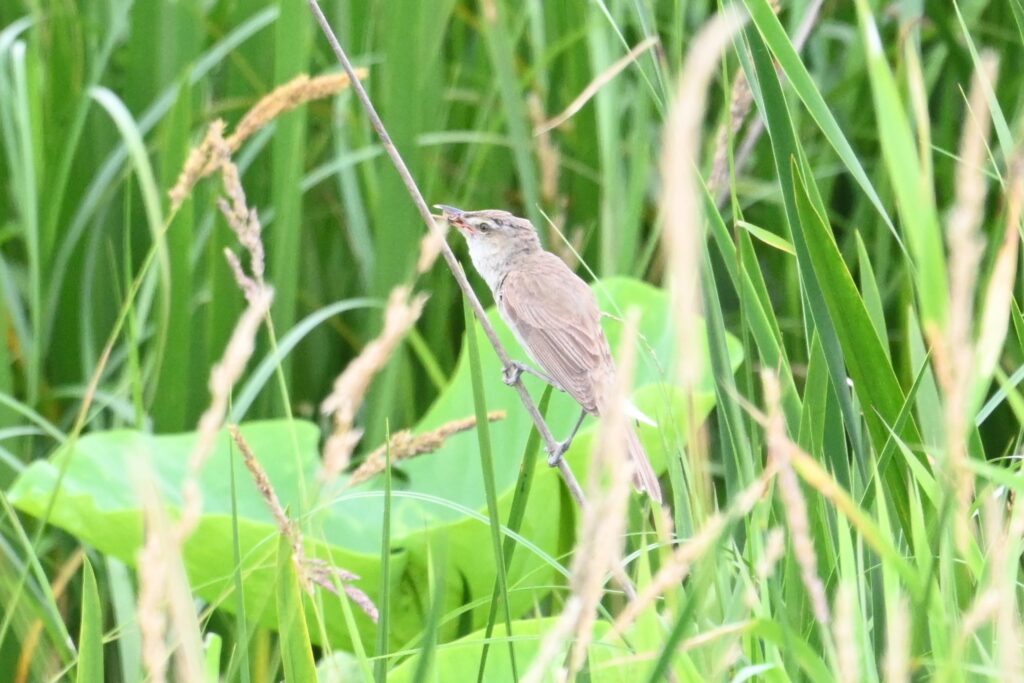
column 458, row 661
column 438, row 493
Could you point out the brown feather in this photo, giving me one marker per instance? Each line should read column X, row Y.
column 555, row 317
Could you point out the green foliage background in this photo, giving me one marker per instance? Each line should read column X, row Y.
column 828, row 263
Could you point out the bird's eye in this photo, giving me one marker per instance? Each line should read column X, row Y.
column 484, row 226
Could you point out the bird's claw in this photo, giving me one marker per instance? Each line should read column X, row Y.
column 511, row 373
column 555, row 456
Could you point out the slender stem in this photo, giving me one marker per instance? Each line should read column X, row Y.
column 446, row 251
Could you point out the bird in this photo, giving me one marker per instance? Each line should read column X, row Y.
column 555, row 317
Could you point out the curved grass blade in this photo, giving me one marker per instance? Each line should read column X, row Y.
column 429, row 642
column 380, row 666
column 487, row 463
column 90, row 635
column 260, row 375
column 775, row 37
column 914, row 197
column 515, row 519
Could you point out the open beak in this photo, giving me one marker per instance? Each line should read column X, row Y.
column 455, row 217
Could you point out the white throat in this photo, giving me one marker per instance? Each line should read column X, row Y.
column 490, row 260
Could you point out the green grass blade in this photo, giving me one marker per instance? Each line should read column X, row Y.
column 380, row 665
column 999, row 124
column 869, row 288
column 296, row 648
column 786, row 149
column 90, row 634
column 169, row 394
column 17, row 135
column 775, row 37
column 260, row 375
column 151, row 200
column 914, row 197
column 241, row 654
column 874, row 380
column 293, row 43
column 487, row 464
column 515, row 518
column 129, row 638
column 498, row 33
column 428, row 644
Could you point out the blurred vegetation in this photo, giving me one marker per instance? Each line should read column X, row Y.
column 831, row 259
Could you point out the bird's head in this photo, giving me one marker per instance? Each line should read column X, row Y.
column 494, row 228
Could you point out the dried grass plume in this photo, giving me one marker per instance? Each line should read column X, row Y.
column 404, row 445
column 402, row 312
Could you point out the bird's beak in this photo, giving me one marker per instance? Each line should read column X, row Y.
column 455, row 217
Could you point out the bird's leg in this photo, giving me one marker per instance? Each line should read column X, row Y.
column 555, row 456
column 514, row 370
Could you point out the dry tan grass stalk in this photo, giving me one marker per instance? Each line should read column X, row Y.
column 195, row 165
column 780, row 449
column 896, row 663
column 402, row 312
column 956, row 362
column 741, row 100
column 311, row 571
column 430, row 247
column 684, row 218
column 996, row 601
column 774, row 549
column 266, row 490
column 595, row 85
column 295, row 93
column 676, row 568
column 245, row 223
column 599, row 547
column 405, row 445
column 164, row 589
column 165, row 608
column 222, row 378
column 602, row 529
column 30, row 652
column 28, row 657
column 202, row 161
column 1006, row 560
column 554, row 640
column 995, row 317
column 152, row 612
column 844, row 632
column 548, row 157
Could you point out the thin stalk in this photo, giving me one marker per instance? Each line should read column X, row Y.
column 446, row 251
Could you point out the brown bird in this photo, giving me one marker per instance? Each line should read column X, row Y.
column 553, row 314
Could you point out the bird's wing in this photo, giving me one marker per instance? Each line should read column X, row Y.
column 555, row 316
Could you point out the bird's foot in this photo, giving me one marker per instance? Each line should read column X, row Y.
column 555, row 456
column 511, row 373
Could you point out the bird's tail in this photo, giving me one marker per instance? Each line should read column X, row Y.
column 644, row 477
